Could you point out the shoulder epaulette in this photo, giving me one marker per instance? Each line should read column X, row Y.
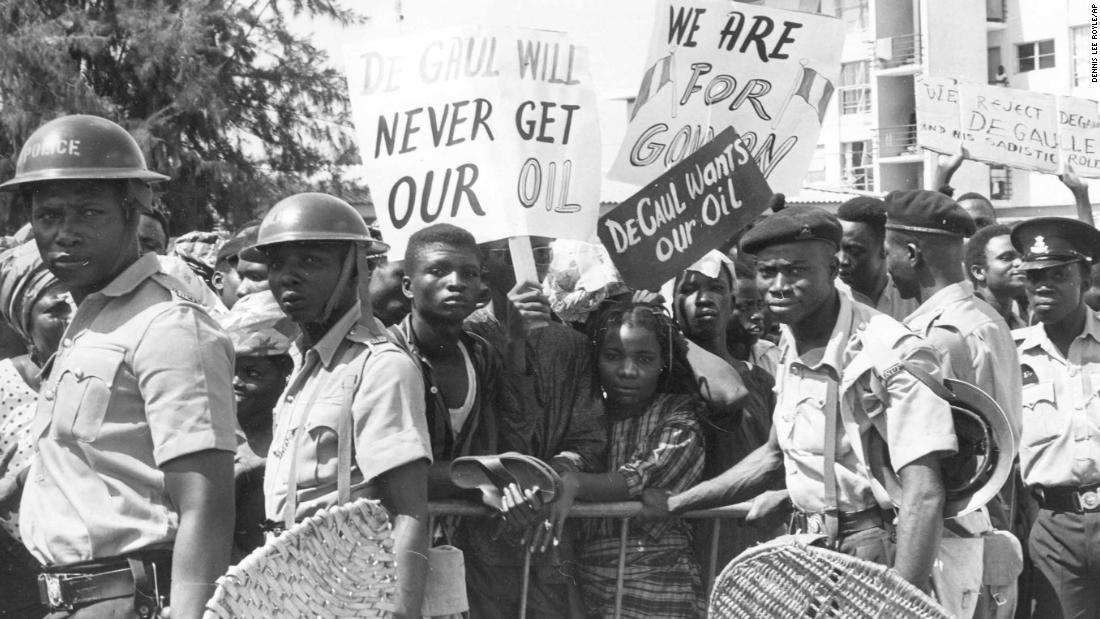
column 1019, row 335
column 183, row 296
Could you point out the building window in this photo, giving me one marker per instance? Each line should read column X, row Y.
column 1035, row 55
column 816, row 173
column 856, row 163
column 855, row 14
column 855, row 87
column 1000, row 183
column 1079, row 40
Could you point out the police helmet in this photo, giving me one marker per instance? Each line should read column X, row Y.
column 80, row 147
column 981, row 466
column 311, row 217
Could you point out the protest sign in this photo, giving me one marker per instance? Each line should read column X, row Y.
column 938, row 114
column 698, row 205
column 1079, row 136
column 770, row 73
column 491, row 129
column 1014, row 127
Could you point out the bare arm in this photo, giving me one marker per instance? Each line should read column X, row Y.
column 738, row 483
column 946, row 166
column 1080, row 190
column 405, row 495
column 920, row 521
column 719, row 383
column 201, row 486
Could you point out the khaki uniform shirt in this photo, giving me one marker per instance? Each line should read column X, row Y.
column 1060, row 445
column 387, row 408
column 141, row 377
column 955, row 314
column 917, row 422
column 889, row 302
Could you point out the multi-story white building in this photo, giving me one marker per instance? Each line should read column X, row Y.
column 868, row 140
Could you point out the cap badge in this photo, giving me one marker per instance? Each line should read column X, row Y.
column 805, row 232
column 1039, row 246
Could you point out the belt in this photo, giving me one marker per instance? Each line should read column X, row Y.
column 1069, row 499
column 849, row 523
column 66, row 587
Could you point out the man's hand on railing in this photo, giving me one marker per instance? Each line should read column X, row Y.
column 655, row 504
column 520, row 511
column 768, row 503
column 547, row 534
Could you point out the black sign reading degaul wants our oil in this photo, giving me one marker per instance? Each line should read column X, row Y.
column 694, row 207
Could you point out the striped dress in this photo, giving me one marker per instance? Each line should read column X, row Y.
column 661, row 448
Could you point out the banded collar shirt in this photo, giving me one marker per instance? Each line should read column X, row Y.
column 497, row 421
column 914, row 421
column 142, row 376
column 354, row 369
column 1060, row 445
column 955, row 313
column 1015, row 316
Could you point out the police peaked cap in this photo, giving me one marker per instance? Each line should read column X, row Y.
column 1046, row 242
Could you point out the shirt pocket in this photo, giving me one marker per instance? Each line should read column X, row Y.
column 1042, row 420
column 317, row 455
column 83, row 391
column 808, row 426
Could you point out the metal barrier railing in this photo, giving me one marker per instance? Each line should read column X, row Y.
column 624, row 511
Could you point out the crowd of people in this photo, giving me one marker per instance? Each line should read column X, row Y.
column 168, row 404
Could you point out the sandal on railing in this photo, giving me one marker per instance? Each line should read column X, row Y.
column 497, row 471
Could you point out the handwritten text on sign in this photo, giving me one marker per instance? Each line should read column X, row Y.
column 1008, row 126
column 693, row 208
column 494, row 130
column 937, row 101
column 1079, row 135
column 770, row 73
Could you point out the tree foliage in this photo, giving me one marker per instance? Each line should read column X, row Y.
column 222, row 95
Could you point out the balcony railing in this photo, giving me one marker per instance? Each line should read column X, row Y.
column 899, row 141
column 900, row 51
column 623, row 511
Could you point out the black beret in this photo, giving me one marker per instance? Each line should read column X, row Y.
column 794, row 223
column 1047, row 242
column 919, row 210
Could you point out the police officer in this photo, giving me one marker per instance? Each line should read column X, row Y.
column 132, row 479
column 1060, row 447
column 924, row 254
column 352, row 389
column 828, row 385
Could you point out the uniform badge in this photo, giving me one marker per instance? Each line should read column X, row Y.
column 890, row 371
column 1039, row 246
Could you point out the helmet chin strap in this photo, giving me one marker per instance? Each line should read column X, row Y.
column 125, row 252
column 342, row 282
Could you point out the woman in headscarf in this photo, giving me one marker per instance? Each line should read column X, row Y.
column 37, row 307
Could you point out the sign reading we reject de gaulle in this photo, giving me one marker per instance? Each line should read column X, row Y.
column 696, row 206
column 491, row 129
